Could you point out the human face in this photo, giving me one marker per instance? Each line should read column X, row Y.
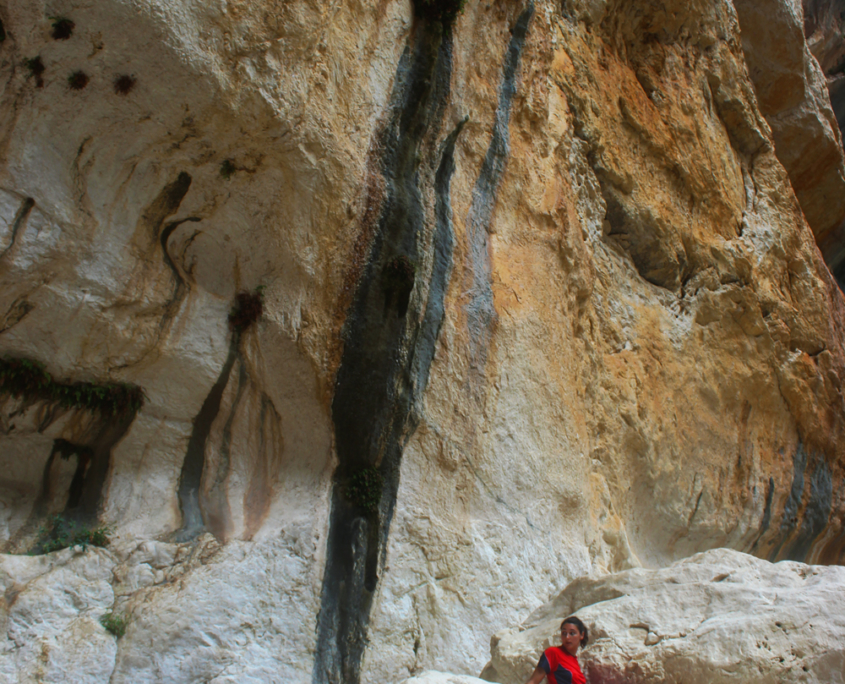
column 570, row 638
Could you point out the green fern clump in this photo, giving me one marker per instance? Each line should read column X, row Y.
column 28, row 379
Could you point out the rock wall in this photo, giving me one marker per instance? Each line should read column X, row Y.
column 536, row 276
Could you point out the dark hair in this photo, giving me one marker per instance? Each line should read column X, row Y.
column 585, row 635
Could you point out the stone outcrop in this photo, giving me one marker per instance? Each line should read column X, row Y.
column 824, row 28
column 792, row 92
column 719, row 616
column 537, row 302
column 434, row 677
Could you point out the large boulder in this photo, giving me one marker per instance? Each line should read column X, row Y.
column 434, row 677
column 719, row 617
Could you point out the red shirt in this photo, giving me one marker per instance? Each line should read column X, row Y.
column 560, row 667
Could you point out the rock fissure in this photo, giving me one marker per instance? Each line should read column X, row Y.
column 18, row 223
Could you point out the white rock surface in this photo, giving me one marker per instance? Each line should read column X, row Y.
column 434, row 677
column 718, row 617
column 50, row 614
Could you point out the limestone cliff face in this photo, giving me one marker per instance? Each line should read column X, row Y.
column 536, row 273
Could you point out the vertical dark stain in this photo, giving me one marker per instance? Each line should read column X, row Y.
column 386, row 359
column 19, row 222
column 816, row 513
column 181, row 285
column 19, row 310
column 259, row 494
column 215, row 504
column 192, row 467
column 166, row 203
column 87, row 506
column 789, row 521
column 93, row 459
column 480, row 310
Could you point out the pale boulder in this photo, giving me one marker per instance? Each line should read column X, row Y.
column 434, row 677
column 718, row 617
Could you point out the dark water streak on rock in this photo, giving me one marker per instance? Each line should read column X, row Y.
column 480, row 310
column 388, row 348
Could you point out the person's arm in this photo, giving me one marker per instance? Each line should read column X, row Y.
column 537, row 677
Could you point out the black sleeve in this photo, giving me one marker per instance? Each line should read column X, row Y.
column 544, row 664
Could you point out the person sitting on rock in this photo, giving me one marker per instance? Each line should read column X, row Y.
column 559, row 663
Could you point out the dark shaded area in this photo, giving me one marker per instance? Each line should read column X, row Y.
column 837, row 100
column 192, row 466
column 88, row 497
column 445, row 11
column 19, row 310
column 2, row 31
column 167, row 203
column 163, row 239
column 84, row 455
column 656, row 250
column 387, row 355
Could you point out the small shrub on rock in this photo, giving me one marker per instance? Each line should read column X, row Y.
column 364, row 489
column 36, row 68
column 62, row 28
column 61, row 533
column 113, row 624
column 124, row 84
column 227, row 169
column 247, row 309
column 77, row 80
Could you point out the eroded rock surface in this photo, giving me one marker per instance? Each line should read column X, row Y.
column 541, row 270
column 792, row 92
column 719, row 616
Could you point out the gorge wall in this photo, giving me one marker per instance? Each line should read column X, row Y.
column 543, row 295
